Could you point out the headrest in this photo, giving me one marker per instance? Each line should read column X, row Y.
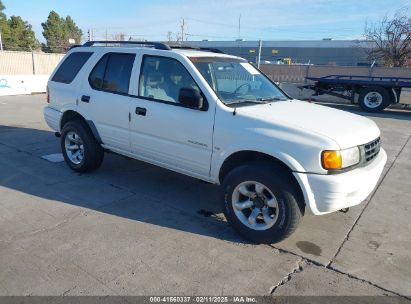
column 154, row 79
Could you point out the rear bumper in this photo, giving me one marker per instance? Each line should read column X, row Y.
column 329, row 193
column 52, row 118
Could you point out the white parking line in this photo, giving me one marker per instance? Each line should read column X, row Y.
column 54, row 158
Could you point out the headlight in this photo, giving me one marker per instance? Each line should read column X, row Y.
column 336, row 160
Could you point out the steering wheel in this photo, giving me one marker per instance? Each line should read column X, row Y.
column 242, row 86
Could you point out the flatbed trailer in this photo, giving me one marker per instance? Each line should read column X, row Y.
column 375, row 93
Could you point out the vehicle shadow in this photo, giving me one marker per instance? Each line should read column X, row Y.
column 391, row 113
column 122, row 187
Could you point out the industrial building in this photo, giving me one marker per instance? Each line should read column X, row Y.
column 318, row 52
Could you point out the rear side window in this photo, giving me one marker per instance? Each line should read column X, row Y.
column 97, row 75
column 69, row 69
column 112, row 73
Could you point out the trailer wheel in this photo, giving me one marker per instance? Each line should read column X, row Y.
column 374, row 99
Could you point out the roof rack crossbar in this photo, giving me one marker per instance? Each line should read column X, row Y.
column 156, row 45
column 189, row 47
column 214, row 50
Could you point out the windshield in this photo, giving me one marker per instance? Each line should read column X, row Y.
column 236, row 81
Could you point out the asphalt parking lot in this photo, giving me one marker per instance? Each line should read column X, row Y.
column 134, row 229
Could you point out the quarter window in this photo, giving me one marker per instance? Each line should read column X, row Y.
column 112, row 73
column 70, row 67
column 163, row 78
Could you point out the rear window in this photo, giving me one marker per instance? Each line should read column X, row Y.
column 69, row 69
column 112, row 73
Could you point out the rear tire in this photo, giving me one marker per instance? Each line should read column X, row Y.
column 261, row 203
column 81, row 151
column 374, row 99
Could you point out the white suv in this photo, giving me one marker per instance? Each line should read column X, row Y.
column 217, row 118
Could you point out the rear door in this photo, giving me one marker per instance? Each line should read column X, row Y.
column 106, row 101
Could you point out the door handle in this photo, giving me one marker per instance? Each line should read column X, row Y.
column 85, row 98
column 141, row 111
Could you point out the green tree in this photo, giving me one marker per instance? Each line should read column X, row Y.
column 53, row 32
column 72, row 31
column 4, row 27
column 2, row 8
column 21, row 35
column 17, row 34
column 58, row 31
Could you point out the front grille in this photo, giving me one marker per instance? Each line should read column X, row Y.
column 371, row 150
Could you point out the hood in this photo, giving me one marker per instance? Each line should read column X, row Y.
column 346, row 129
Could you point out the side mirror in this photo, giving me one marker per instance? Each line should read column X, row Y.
column 191, row 98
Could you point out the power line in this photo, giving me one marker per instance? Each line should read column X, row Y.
column 297, row 33
column 211, row 36
column 295, row 30
column 239, row 26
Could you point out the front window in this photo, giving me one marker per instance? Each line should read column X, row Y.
column 235, row 81
column 163, row 78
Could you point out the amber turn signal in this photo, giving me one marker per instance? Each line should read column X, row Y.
column 331, row 160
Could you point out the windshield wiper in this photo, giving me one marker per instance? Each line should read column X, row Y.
column 272, row 99
column 252, row 101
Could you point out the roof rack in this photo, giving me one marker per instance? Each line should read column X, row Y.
column 156, row 45
column 74, row 46
column 189, row 47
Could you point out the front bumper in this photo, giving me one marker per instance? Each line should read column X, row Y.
column 328, row 193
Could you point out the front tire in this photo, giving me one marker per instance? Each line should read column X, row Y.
column 81, row 151
column 261, row 203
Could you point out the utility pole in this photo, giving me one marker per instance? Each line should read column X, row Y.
column 239, row 27
column 1, row 43
column 90, row 34
column 260, row 44
column 182, row 30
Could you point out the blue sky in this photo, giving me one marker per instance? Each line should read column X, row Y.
column 214, row 19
